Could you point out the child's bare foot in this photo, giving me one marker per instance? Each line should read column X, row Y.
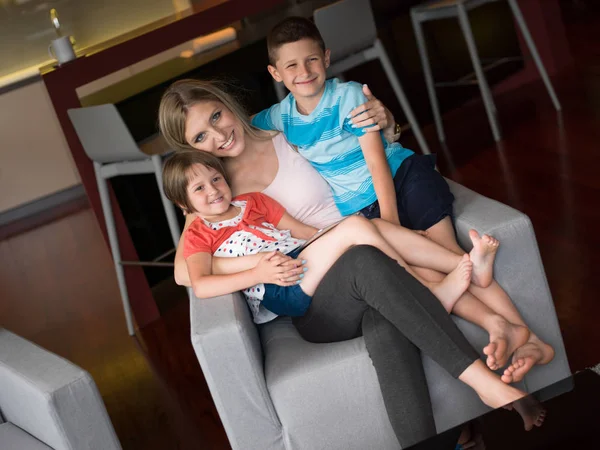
column 525, row 357
column 505, row 338
column 449, row 290
column 483, row 255
column 531, row 410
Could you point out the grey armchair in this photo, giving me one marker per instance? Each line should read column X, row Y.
column 48, row 403
column 273, row 390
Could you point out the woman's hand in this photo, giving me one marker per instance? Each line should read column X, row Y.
column 373, row 112
column 277, row 268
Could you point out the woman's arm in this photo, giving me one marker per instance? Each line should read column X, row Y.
column 206, row 285
column 383, row 182
column 298, row 229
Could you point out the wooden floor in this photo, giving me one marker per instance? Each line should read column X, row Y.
column 58, row 288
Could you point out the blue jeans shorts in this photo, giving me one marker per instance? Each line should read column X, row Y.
column 422, row 194
column 286, row 300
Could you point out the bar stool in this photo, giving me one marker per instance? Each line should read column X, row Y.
column 444, row 9
column 109, row 144
column 349, row 31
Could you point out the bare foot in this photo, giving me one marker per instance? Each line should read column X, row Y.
column 483, row 255
column 496, row 397
column 531, row 410
column 505, row 338
column 449, row 290
column 525, row 357
column 488, row 386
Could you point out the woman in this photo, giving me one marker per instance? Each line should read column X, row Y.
column 198, row 115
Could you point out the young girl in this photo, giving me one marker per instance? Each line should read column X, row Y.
column 253, row 223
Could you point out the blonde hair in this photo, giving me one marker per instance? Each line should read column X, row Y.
column 177, row 171
column 183, row 94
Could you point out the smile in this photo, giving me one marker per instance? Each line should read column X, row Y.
column 306, row 82
column 217, row 200
column 227, row 145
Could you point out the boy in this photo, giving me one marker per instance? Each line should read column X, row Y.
column 365, row 172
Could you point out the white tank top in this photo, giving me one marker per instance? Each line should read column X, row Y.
column 300, row 189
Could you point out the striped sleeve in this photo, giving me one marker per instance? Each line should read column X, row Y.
column 269, row 119
column 351, row 97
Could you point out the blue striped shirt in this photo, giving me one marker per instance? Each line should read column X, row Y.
column 326, row 138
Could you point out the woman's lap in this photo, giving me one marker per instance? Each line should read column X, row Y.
column 336, row 314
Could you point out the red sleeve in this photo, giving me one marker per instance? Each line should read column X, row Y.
column 196, row 240
column 265, row 206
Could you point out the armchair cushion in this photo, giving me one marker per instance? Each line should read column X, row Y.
column 51, row 399
column 326, row 396
column 13, row 438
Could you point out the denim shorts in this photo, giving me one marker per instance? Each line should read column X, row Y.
column 422, row 194
column 286, row 300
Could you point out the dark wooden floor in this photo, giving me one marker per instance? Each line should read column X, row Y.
column 58, row 288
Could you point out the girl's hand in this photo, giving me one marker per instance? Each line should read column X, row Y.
column 373, row 113
column 277, row 268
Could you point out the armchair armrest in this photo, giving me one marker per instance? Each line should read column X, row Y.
column 228, row 347
column 51, row 399
column 518, row 269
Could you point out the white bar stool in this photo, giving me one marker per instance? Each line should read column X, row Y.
column 444, row 9
column 109, row 144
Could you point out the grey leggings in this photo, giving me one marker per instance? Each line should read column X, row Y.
column 367, row 293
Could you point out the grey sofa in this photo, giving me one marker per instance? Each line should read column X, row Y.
column 48, row 403
column 273, row 390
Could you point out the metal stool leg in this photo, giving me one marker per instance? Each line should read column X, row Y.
column 114, row 244
column 488, row 101
column 167, row 205
column 533, row 50
column 421, row 45
column 391, row 74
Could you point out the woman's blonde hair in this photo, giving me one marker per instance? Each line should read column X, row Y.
column 178, row 170
column 183, row 94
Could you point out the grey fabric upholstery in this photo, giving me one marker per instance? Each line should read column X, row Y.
column 13, row 438
column 51, row 399
column 274, row 390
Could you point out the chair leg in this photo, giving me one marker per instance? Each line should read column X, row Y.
column 534, row 53
column 421, row 45
column 486, row 95
column 391, row 74
column 167, row 205
column 279, row 90
column 114, row 245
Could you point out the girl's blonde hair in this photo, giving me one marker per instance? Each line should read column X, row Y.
column 178, row 170
column 183, row 94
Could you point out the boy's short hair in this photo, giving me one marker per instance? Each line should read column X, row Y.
column 290, row 30
column 176, row 174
